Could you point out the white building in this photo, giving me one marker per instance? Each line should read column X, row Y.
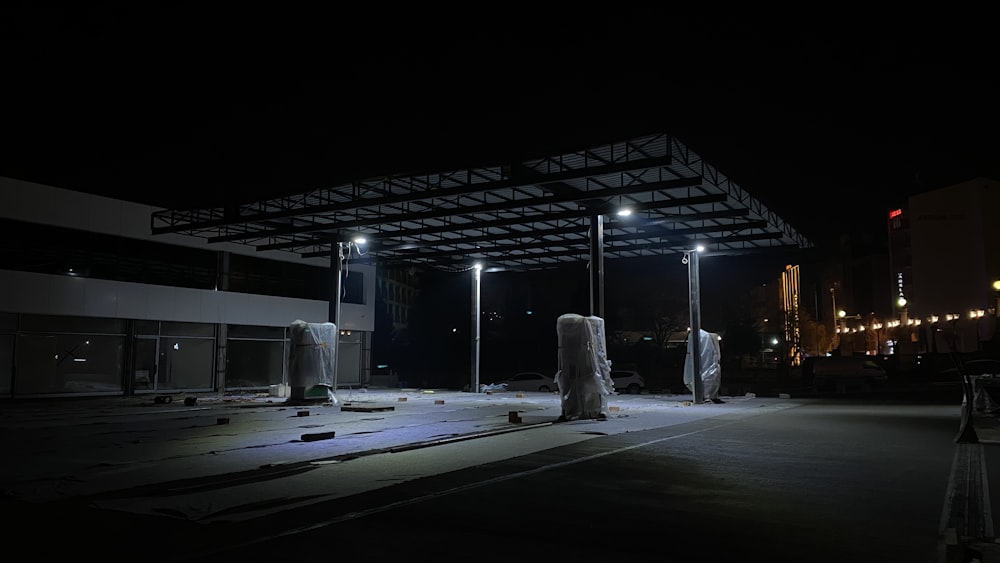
column 92, row 304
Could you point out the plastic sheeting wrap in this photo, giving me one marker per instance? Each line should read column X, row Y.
column 584, row 376
column 711, row 370
column 312, row 359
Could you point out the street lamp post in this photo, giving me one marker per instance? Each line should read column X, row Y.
column 901, row 303
column 337, row 265
column 877, row 328
column 694, row 304
column 477, row 275
column 842, row 314
column 996, row 310
column 932, row 332
column 836, row 321
column 975, row 315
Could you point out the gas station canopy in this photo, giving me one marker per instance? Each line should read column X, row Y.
column 529, row 215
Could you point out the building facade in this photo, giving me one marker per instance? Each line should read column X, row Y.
column 92, row 304
column 955, row 248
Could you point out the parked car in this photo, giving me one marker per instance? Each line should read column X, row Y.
column 628, row 381
column 983, row 366
column 839, row 372
column 531, row 381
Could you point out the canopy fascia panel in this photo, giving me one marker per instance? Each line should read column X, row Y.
column 525, row 215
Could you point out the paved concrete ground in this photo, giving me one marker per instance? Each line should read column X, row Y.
column 109, row 451
column 87, row 446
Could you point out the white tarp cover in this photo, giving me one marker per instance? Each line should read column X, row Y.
column 312, row 358
column 584, row 375
column 711, row 370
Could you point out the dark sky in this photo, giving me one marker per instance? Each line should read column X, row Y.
column 824, row 118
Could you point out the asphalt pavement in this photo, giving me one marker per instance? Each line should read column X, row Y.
column 110, row 452
column 88, row 447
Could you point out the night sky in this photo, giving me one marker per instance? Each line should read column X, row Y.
column 829, row 121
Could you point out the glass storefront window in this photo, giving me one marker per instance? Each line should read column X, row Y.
column 185, row 363
column 68, row 363
column 254, row 363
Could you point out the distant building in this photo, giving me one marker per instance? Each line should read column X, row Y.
column 906, row 331
column 955, row 248
column 791, row 301
column 900, row 258
column 852, row 293
column 399, row 287
column 864, row 263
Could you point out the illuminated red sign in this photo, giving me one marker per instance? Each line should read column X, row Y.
column 895, row 213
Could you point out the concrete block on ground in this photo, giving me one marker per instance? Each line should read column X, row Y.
column 315, row 436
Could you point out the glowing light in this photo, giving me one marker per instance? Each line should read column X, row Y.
column 895, row 213
column 624, row 212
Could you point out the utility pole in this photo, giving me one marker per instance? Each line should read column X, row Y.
column 694, row 339
column 836, row 318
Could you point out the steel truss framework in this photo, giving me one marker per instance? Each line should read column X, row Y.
column 529, row 215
